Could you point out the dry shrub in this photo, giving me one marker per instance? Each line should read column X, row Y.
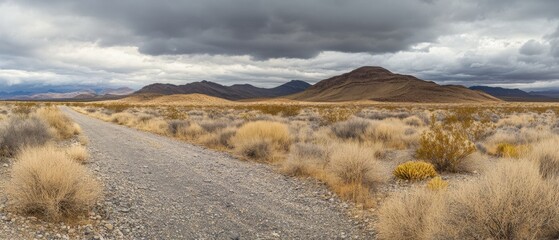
column 437, row 183
column 353, row 129
column 516, row 120
column 355, row 192
column 63, row 125
column 122, row 118
column 414, row 121
column 415, row 170
column 392, row 132
column 410, row 216
column 155, row 125
column 191, row 132
column 220, row 139
column 333, row 115
column 21, row 131
column 77, row 153
column 511, row 202
column 305, row 159
column 46, row 182
column 260, row 150
column 355, row 164
column 259, row 140
column 546, row 155
column 445, row 147
column 213, row 126
column 176, row 126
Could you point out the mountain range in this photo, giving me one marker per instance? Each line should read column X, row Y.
column 53, row 94
column 234, row 92
column 517, row 95
column 365, row 83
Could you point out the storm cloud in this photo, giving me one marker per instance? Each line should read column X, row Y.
column 266, row 42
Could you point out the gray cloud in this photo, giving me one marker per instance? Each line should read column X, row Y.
column 532, row 47
column 135, row 42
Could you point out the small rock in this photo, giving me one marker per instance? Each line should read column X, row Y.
column 109, row 226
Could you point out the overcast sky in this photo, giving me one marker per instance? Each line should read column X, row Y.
column 509, row 43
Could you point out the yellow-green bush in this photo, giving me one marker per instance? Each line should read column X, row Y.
column 437, row 183
column 508, row 150
column 445, row 146
column 415, row 170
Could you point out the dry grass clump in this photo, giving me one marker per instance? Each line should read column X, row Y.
column 546, row 155
column 213, row 126
column 122, row 118
column 46, row 182
column 355, row 164
column 415, row 170
column 305, row 159
column 261, row 139
column 445, row 147
column 512, row 202
column 155, row 125
column 337, row 114
column 516, row 120
column 77, row 153
column 392, row 132
column 414, row 121
column 437, row 183
column 63, row 125
column 192, row 131
column 353, row 129
column 221, row 139
column 410, row 216
column 21, row 131
column 176, row 126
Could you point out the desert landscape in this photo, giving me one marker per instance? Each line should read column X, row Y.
column 167, row 165
column 262, row 119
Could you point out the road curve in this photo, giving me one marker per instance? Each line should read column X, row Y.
column 168, row 189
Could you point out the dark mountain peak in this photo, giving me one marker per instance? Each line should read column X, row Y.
column 242, row 85
column 297, row 83
column 369, row 71
column 234, row 92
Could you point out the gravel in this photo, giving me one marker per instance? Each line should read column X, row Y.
column 160, row 188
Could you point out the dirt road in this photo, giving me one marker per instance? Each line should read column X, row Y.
column 161, row 188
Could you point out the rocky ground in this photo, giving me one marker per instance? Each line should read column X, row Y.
column 160, row 188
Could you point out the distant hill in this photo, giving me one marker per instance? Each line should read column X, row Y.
column 514, row 95
column 547, row 93
column 234, row 92
column 379, row 84
column 173, row 99
column 54, row 94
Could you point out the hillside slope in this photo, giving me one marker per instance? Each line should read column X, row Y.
column 379, row 84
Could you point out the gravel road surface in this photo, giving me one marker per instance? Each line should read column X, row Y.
column 162, row 188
